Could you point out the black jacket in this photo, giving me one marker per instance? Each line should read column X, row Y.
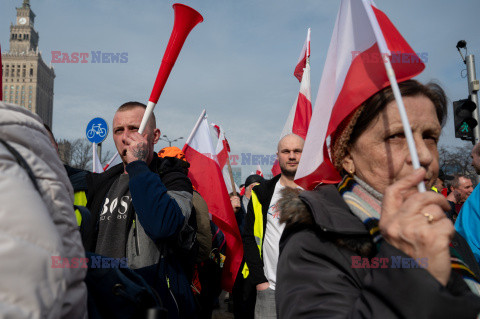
column 256, row 275
column 315, row 277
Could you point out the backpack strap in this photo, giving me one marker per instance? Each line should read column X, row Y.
column 21, row 161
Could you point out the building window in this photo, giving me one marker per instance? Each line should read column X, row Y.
column 31, row 71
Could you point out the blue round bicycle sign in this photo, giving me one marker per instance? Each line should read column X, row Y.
column 97, row 130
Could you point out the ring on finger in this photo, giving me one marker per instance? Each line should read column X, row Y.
column 429, row 217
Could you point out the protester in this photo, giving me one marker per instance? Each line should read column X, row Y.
column 460, row 189
column 251, row 181
column 211, row 243
column 439, row 185
column 475, row 155
column 40, row 241
column 373, row 247
column 263, row 230
column 202, row 217
column 210, row 274
column 141, row 209
column 243, row 306
column 240, row 213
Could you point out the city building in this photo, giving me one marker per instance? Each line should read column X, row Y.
column 27, row 81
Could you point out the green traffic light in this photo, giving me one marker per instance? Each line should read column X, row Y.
column 465, row 128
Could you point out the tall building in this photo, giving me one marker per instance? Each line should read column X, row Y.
column 27, row 80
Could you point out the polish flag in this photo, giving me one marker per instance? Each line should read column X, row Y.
column 302, row 59
column 353, row 72
column 223, row 152
column 259, row 171
column 223, row 148
column 207, row 179
column 301, row 111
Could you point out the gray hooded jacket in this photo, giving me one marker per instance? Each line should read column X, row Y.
column 36, row 227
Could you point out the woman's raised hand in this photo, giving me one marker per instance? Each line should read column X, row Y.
column 416, row 224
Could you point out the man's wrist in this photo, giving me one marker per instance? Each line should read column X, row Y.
column 136, row 167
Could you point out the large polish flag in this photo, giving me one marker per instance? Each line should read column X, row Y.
column 354, row 71
column 207, row 178
column 223, row 152
column 259, row 170
column 301, row 111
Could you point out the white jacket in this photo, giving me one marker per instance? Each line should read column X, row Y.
column 34, row 228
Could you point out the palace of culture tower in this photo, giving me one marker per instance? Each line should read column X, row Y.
column 27, row 80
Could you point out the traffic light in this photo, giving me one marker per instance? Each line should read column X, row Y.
column 464, row 121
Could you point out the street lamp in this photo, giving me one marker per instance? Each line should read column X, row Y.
column 165, row 138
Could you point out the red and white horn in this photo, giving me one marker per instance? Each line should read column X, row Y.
column 186, row 19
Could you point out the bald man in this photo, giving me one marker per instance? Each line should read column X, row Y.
column 141, row 209
column 262, row 227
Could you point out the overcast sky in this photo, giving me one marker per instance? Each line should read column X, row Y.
column 238, row 63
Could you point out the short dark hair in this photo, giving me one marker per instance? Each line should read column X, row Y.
column 134, row 104
column 455, row 182
column 131, row 105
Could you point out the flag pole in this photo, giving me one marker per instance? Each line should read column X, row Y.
column 196, row 127
column 308, row 47
column 110, row 161
column 385, row 52
column 234, row 190
column 93, row 157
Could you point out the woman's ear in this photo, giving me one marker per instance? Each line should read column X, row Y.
column 348, row 164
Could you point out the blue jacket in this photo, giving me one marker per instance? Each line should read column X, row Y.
column 468, row 222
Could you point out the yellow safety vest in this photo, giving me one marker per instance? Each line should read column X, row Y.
column 80, row 199
column 257, row 228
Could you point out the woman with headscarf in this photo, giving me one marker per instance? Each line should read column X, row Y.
column 373, row 246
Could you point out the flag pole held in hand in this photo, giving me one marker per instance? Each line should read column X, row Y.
column 186, row 19
column 385, row 53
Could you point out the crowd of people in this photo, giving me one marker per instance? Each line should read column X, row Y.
column 136, row 241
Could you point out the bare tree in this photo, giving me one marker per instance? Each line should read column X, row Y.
column 457, row 160
column 78, row 153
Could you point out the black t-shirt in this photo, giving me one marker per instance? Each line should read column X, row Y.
column 112, row 232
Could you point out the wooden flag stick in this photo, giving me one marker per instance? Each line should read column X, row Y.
column 234, row 190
